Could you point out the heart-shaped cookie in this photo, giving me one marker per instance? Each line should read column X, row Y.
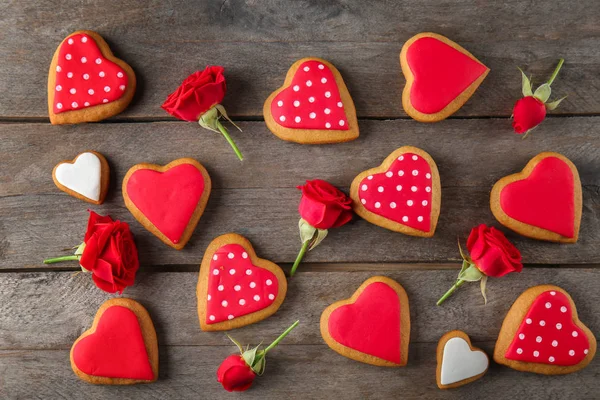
column 403, row 194
column 235, row 287
column 458, row 362
column 86, row 82
column 373, row 326
column 542, row 333
column 120, row 348
column 313, row 106
column 440, row 76
column 541, row 202
column 169, row 200
column 86, row 177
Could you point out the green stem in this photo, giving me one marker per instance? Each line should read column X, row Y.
column 280, row 338
column 558, row 67
column 230, row 140
column 60, row 259
column 299, row 257
column 458, row 284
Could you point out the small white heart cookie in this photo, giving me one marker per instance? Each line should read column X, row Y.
column 458, row 363
column 86, row 177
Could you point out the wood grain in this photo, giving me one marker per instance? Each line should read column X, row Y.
column 258, row 199
column 293, row 372
column 258, row 41
column 50, row 310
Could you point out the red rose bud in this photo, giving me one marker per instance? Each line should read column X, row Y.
column 528, row 113
column 530, row 110
column 108, row 252
column 198, row 99
column 322, row 207
column 237, row 372
column 234, row 374
column 491, row 254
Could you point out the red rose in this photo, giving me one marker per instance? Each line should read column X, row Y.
column 234, row 374
column 492, row 253
column 528, row 113
column 197, row 94
column 323, row 205
column 109, row 253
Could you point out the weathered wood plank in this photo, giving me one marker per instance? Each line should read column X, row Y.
column 50, row 310
column 293, row 372
column 257, row 43
column 257, row 198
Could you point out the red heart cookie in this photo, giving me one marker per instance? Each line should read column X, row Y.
column 313, row 106
column 440, row 76
column 169, row 200
column 542, row 333
column 86, row 82
column 235, row 287
column 373, row 326
column 403, row 194
column 120, row 348
column 543, row 201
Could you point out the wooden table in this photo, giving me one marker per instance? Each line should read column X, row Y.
column 43, row 309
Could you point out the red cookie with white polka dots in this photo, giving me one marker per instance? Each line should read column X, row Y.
column 86, row 82
column 235, row 287
column 403, row 194
column 313, row 106
column 543, row 334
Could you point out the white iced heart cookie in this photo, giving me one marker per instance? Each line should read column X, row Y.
column 86, row 177
column 458, row 362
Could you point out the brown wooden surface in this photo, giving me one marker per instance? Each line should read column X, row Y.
column 44, row 308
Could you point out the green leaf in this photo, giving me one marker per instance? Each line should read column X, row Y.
column 238, row 344
column 482, row 284
column 250, row 355
column 552, row 106
column 526, row 84
column 542, row 93
column 471, row 274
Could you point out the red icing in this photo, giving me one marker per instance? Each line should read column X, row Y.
column 441, row 73
column 392, row 194
column 316, row 104
column 245, row 288
column 548, row 335
column 84, row 78
column 168, row 199
column 546, row 198
column 116, row 349
column 370, row 325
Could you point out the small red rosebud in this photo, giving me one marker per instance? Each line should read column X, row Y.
column 234, row 374
column 528, row 113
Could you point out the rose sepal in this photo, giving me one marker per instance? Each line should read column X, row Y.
column 211, row 120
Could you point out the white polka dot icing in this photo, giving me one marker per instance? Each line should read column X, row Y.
column 400, row 185
column 236, row 286
column 548, row 334
column 312, row 101
column 76, row 72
